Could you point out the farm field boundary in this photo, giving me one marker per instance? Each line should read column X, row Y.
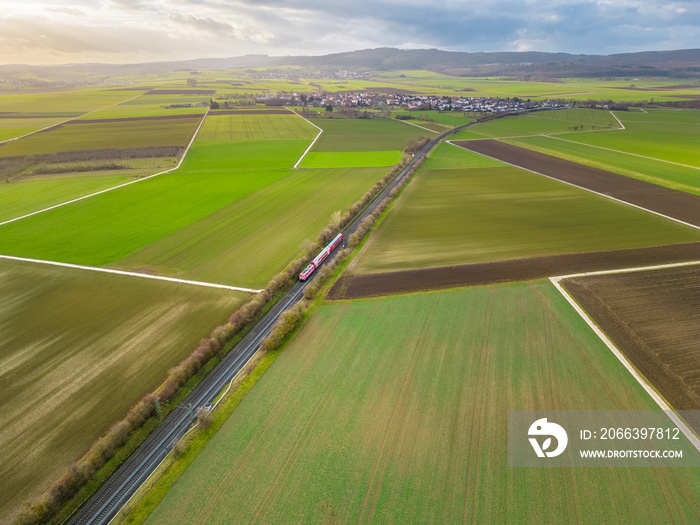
column 651, row 315
column 676, row 205
column 556, row 281
column 320, row 132
column 375, row 284
column 182, row 158
column 65, row 121
column 131, row 274
column 421, row 127
column 551, row 136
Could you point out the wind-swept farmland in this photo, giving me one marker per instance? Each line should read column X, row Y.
column 395, row 410
column 78, row 350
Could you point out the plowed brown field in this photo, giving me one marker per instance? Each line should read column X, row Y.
column 369, row 285
column 672, row 203
column 654, row 318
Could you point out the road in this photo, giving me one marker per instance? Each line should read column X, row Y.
column 117, row 490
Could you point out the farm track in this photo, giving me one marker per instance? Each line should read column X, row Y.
column 120, row 487
column 375, row 284
column 676, row 204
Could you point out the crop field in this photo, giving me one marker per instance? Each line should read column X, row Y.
column 248, row 241
column 78, row 350
column 16, row 127
column 364, row 135
column 116, row 134
column 395, row 410
column 458, row 216
column 653, row 317
column 358, row 143
column 74, row 101
column 657, row 146
column 36, row 193
column 556, row 121
column 351, row 159
column 258, row 126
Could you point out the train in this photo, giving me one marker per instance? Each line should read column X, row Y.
column 303, row 276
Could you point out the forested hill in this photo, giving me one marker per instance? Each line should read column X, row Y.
column 530, row 64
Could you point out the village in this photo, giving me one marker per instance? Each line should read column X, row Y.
column 372, row 100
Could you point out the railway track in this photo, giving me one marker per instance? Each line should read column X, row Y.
column 120, row 487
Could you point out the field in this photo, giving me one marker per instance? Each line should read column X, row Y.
column 78, row 350
column 249, row 240
column 395, row 410
column 458, row 216
column 657, row 146
column 653, row 317
column 116, row 134
column 559, row 121
column 256, row 126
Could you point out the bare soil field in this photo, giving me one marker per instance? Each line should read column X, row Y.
column 672, row 203
column 370, row 285
column 654, row 319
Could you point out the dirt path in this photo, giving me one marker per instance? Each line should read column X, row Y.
column 358, row 286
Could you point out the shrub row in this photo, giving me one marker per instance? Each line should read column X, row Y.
column 10, row 167
column 106, row 446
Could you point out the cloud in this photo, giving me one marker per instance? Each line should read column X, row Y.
column 135, row 29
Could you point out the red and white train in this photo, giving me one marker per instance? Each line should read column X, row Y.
column 303, row 276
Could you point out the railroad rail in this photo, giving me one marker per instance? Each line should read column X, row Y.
column 108, row 500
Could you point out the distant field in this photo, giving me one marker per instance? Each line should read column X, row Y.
column 256, row 127
column 364, row 135
column 129, row 134
column 554, row 121
column 395, row 411
column 78, row 349
column 32, row 194
column 350, row 159
column 460, row 216
column 78, row 100
column 254, row 237
column 651, row 148
column 16, row 127
column 451, row 118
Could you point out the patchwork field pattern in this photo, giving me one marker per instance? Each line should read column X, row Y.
column 458, row 216
column 78, row 350
column 654, row 319
column 657, row 146
column 395, row 410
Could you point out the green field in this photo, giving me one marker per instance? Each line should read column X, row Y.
column 117, row 134
column 460, row 216
column 246, row 242
column 78, row 350
column 364, row 135
column 351, row 159
column 11, row 128
column 395, row 411
column 658, row 146
column 256, row 127
column 554, row 121
column 36, row 193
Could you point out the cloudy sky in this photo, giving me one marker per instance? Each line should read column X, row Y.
column 118, row 31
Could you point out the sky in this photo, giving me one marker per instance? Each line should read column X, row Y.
column 130, row 31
